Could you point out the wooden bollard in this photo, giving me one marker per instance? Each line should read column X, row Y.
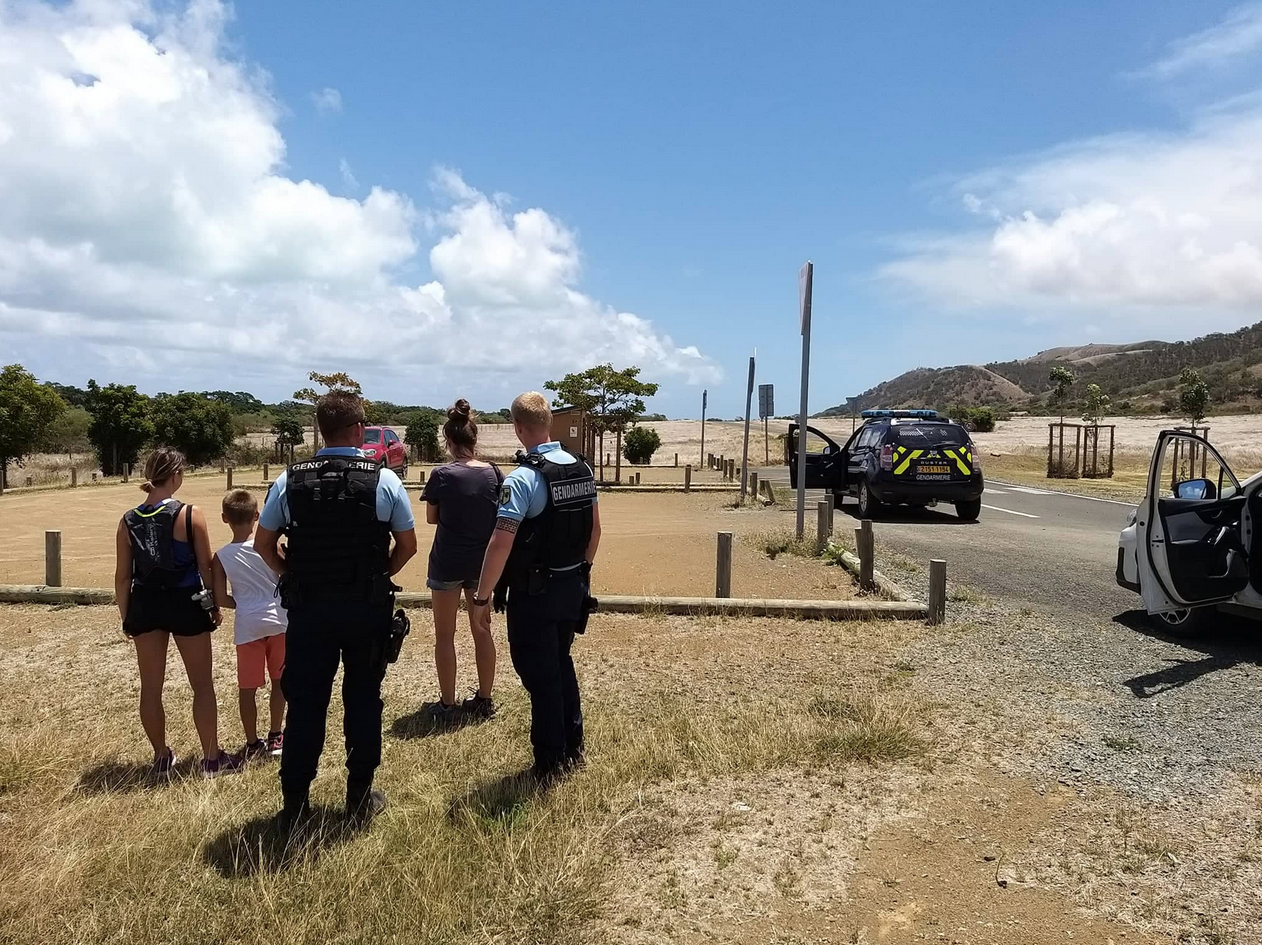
column 229, row 474
column 769, row 491
column 723, row 566
column 126, row 472
column 52, row 559
column 865, row 547
column 832, row 509
column 676, row 460
column 74, row 477
column 94, row 477
column 420, row 477
column 688, row 478
column 753, row 485
column 937, row 591
column 637, row 478
column 265, row 472
column 821, row 526
column 29, row 482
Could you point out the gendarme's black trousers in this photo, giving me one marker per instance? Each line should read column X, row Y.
column 540, row 634
column 319, row 637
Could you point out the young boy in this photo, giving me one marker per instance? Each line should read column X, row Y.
column 259, row 627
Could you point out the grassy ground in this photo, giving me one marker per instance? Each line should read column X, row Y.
column 684, row 715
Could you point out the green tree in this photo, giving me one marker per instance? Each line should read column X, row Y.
column 1193, row 395
column 287, row 430
column 422, row 435
column 121, row 424
column 197, row 426
column 612, row 399
column 339, row 381
column 27, row 408
column 1095, row 406
column 68, row 433
column 1062, row 379
column 640, row 444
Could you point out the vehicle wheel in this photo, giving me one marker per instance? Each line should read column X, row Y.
column 869, row 505
column 1181, row 623
column 970, row 510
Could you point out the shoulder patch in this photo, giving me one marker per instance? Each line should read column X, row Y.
column 506, row 494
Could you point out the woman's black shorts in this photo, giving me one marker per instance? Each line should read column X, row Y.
column 174, row 611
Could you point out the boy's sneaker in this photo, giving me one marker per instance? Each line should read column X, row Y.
column 163, row 767
column 224, row 764
column 439, row 713
column 253, row 750
column 478, row 706
column 275, row 743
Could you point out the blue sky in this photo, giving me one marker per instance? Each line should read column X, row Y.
column 973, row 182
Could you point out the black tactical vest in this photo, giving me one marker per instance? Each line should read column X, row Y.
column 557, row 537
column 152, row 537
column 337, row 548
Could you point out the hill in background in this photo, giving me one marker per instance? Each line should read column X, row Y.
column 1140, row 378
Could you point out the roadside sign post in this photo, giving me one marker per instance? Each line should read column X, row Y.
column 749, row 406
column 805, row 279
column 704, row 393
column 766, row 407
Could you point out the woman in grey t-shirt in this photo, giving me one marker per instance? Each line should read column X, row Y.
column 460, row 499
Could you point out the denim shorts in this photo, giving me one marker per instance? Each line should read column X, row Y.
column 436, row 585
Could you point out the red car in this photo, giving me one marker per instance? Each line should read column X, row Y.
column 383, row 445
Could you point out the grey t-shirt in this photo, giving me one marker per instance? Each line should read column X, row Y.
column 467, row 498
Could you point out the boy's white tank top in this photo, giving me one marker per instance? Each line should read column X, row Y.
column 253, row 586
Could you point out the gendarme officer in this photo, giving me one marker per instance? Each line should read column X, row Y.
column 546, row 533
column 338, row 513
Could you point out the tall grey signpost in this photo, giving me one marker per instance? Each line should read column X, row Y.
column 704, row 394
column 805, row 277
column 766, row 409
column 749, row 406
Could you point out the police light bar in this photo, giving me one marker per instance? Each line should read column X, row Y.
column 899, row 414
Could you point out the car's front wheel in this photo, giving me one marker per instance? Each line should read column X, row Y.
column 869, row 505
column 1186, row 622
column 969, row 510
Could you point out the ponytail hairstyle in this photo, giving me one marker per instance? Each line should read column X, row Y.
column 162, row 465
column 460, row 429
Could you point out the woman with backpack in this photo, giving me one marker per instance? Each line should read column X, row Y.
column 161, row 574
column 461, row 499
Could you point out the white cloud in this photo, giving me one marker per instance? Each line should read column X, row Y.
column 146, row 223
column 348, row 176
column 327, row 101
column 1237, row 35
column 1131, row 222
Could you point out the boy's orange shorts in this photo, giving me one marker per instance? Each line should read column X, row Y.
column 257, row 655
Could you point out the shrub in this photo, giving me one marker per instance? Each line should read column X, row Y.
column 639, row 445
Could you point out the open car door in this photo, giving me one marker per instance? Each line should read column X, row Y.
column 824, row 466
column 1189, row 528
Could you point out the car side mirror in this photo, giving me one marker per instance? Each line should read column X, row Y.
column 1195, row 489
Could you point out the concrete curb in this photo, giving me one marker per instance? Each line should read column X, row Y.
column 610, row 604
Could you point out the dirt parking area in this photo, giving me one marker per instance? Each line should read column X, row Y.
column 653, row 544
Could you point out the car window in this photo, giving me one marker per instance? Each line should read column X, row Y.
column 871, row 437
column 1185, row 463
column 391, row 438
column 372, row 436
column 921, row 435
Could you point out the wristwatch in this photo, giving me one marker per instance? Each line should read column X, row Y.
column 480, row 601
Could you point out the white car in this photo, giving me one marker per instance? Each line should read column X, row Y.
column 1189, row 548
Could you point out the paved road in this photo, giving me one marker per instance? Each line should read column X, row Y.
column 1031, row 546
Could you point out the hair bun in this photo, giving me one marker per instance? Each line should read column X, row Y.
column 460, row 411
column 146, row 487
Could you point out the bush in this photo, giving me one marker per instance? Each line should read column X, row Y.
column 639, row 445
column 976, row 419
column 197, row 426
column 243, row 453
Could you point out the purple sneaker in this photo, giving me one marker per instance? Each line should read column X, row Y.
column 224, row 764
column 253, row 750
column 163, row 767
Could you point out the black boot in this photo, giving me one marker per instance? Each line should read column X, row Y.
column 363, row 803
column 295, row 813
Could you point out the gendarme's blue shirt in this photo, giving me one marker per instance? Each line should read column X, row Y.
column 524, row 493
column 393, row 504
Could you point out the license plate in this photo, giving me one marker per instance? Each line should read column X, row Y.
column 933, row 469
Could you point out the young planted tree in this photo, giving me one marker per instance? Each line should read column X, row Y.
column 1062, row 379
column 68, row 433
column 120, row 426
column 27, row 408
column 1193, row 395
column 287, row 431
column 330, row 382
column 1095, row 406
column 197, row 426
column 640, row 445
